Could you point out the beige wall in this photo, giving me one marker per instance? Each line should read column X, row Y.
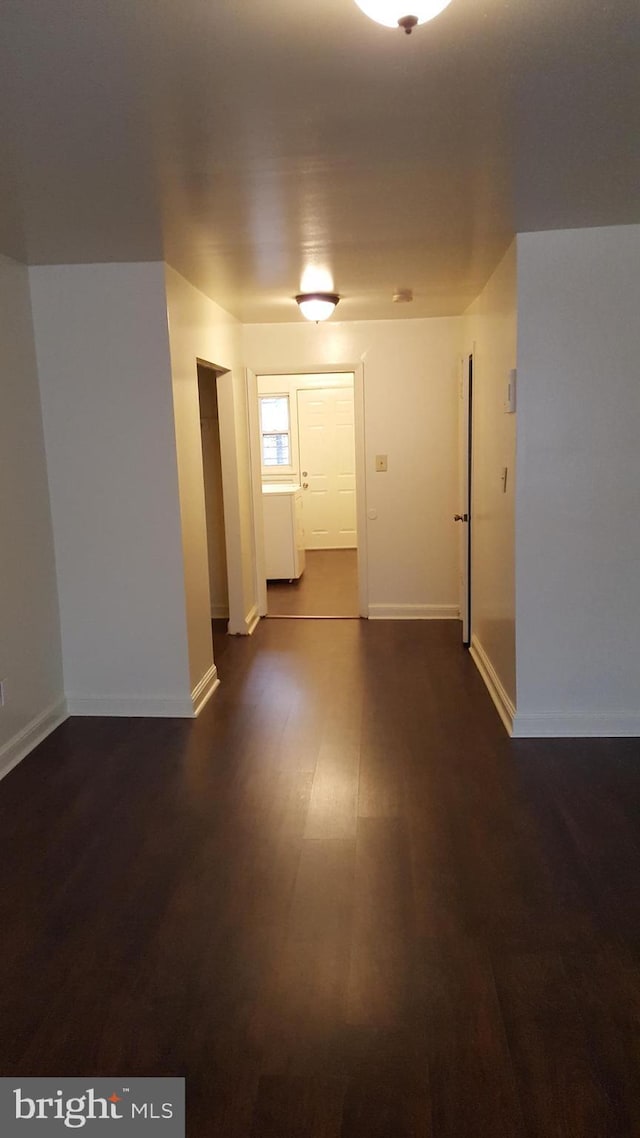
column 199, row 328
column 30, row 653
column 410, row 394
column 490, row 331
column 213, row 496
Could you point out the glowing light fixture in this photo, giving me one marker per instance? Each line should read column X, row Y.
column 317, row 305
column 316, row 277
column 393, row 13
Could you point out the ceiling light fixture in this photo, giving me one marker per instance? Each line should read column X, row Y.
column 317, row 305
column 393, row 13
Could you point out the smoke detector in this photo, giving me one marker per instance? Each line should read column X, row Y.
column 403, row 296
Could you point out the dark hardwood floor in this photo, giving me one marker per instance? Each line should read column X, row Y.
column 328, row 587
column 341, row 903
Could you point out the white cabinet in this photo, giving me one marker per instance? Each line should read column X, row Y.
column 283, row 531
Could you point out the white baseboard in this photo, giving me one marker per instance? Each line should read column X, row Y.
column 552, row 724
column 144, row 707
column 203, row 691
column 17, row 748
column 248, row 625
column 414, row 612
column 219, row 612
column 577, row 725
column 252, row 620
column 504, row 704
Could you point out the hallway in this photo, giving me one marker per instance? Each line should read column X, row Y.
column 341, row 902
column 328, row 587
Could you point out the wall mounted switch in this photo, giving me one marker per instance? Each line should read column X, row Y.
column 381, row 462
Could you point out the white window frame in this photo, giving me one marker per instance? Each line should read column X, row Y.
column 274, row 471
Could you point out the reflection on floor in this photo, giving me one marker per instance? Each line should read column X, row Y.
column 328, row 587
column 341, row 902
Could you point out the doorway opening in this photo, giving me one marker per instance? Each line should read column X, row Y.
column 214, row 503
column 308, row 496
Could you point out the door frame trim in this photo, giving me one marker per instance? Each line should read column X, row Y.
column 470, row 368
column 357, row 371
column 466, row 459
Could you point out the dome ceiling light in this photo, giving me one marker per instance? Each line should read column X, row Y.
column 317, row 305
column 393, row 13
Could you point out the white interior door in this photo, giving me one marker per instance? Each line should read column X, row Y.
column 328, row 467
column 464, row 517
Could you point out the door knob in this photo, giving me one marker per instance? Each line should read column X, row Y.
column 461, row 517
column 305, row 473
column 305, row 485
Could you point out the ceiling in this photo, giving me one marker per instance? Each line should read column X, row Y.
column 261, row 147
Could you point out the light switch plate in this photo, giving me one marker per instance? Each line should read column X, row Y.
column 381, row 462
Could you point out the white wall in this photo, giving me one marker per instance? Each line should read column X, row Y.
column 410, row 385
column 578, row 492
column 491, row 331
column 199, row 328
column 30, row 654
column 103, row 360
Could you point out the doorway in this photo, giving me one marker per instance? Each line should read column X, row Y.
column 214, row 503
column 307, row 445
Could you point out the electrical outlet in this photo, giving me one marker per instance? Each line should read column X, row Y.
column 381, row 463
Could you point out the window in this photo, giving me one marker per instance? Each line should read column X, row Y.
column 275, row 431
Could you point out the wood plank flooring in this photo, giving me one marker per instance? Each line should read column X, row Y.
column 341, row 903
column 328, row 587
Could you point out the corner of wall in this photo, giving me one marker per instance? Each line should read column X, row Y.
column 30, row 638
